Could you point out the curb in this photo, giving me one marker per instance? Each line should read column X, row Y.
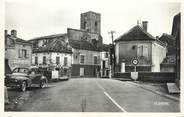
column 156, row 92
column 122, row 79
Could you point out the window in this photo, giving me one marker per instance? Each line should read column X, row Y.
column 96, row 24
column 85, row 25
column 23, row 53
column 57, row 60
column 20, row 53
column 36, row 60
column 44, row 60
column 142, row 51
column 95, row 60
column 65, row 61
column 106, row 55
column 82, row 59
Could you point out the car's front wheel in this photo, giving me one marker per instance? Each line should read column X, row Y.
column 23, row 86
column 43, row 84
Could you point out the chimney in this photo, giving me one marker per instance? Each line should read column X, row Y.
column 145, row 25
column 13, row 33
column 139, row 22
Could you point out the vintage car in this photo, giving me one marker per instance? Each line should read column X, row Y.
column 23, row 77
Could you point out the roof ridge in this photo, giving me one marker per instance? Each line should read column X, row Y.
column 148, row 34
column 133, row 28
column 168, row 35
column 125, row 33
column 48, row 36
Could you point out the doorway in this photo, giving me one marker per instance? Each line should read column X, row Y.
column 81, row 71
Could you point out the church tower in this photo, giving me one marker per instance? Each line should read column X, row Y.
column 90, row 21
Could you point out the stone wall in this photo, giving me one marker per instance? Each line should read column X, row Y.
column 75, row 34
column 158, row 55
column 14, row 60
column 91, row 21
column 89, row 70
column 89, row 56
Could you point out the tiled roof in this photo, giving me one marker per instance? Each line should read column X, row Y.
column 54, row 46
column 50, row 36
column 136, row 34
column 166, row 38
column 56, row 43
column 16, row 39
column 83, row 45
column 170, row 41
column 105, row 47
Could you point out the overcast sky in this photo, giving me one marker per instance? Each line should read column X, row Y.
column 34, row 18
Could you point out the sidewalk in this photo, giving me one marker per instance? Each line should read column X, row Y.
column 157, row 88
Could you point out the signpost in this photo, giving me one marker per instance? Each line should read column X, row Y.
column 135, row 62
column 134, row 75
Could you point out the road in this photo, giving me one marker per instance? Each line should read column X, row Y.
column 97, row 95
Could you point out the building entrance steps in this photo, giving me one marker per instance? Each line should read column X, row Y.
column 172, row 88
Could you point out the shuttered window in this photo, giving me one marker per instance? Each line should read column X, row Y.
column 142, row 51
column 44, row 60
column 65, row 61
column 82, row 59
column 57, row 60
column 36, row 60
column 20, row 53
column 95, row 60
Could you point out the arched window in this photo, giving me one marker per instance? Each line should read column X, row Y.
column 85, row 25
column 96, row 24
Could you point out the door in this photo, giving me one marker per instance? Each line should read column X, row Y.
column 81, row 71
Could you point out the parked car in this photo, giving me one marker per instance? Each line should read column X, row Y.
column 22, row 77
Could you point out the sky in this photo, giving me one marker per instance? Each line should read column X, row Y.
column 35, row 18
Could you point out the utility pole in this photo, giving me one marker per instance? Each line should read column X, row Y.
column 112, row 52
column 112, row 35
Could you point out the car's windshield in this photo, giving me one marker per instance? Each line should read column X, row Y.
column 20, row 70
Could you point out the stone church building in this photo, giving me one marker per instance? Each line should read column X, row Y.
column 82, row 47
column 86, row 45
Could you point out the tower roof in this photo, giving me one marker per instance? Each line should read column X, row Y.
column 90, row 12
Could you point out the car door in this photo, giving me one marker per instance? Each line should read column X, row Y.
column 35, row 76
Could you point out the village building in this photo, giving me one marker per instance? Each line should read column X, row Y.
column 81, row 48
column 172, row 61
column 138, row 44
column 52, row 52
column 86, row 46
column 105, row 61
column 176, row 33
column 18, row 52
column 169, row 63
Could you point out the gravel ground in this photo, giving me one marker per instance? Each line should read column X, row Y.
column 18, row 98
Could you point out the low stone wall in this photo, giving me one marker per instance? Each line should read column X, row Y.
column 122, row 75
column 157, row 76
column 163, row 77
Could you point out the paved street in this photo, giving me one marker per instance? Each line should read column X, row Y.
column 97, row 95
